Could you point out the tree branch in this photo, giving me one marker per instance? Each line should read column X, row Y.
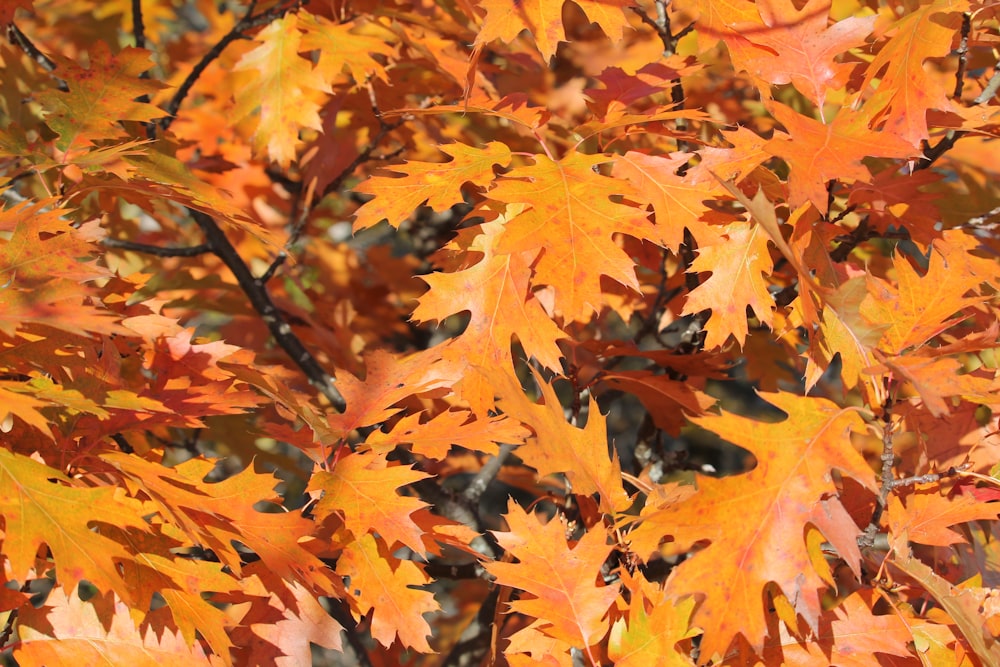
column 342, row 614
column 21, row 40
column 138, row 28
column 158, row 251
column 256, row 291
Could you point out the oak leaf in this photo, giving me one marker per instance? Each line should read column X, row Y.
column 362, row 490
column 543, row 18
column 739, row 261
column 961, row 605
column 284, row 641
column 283, row 85
column 99, row 97
column 649, row 633
column 678, row 201
column 937, row 379
column 760, row 518
column 560, row 579
column 817, row 152
column 800, row 48
column 43, row 262
column 560, row 447
column 67, row 630
column 926, row 516
column 920, row 307
column 926, row 32
column 571, row 220
column 217, row 515
column 345, row 46
column 852, row 635
column 434, row 438
column 496, row 292
column 438, row 185
column 42, row 506
column 387, row 588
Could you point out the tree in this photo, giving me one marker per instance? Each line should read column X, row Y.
column 473, row 332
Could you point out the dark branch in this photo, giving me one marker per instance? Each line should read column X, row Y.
column 256, row 291
column 474, row 491
column 271, row 270
column 342, row 614
column 138, row 29
column 963, row 55
column 21, row 40
column 932, row 153
column 158, row 251
column 122, row 443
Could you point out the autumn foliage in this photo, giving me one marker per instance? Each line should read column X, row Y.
column 510, row 332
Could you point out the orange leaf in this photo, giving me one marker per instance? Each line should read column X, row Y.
column 678, row 201
column 560, row 579
column 925, row 32
column 40, row 506
column 435, row 437
column 961, row 605
column 43, row 261
column 496, row 293
column 362, row 491
column 303, row 622
column 543, row 18
column 801, row 47
column 345, row 46
column 851, row 636
column 283, row 85
column 925, row 516
column 818, row 152
column 571, row 216
column 921, row 306
column 560, row 447
column 739, row 260
column 99, row 96
column 650, row 633
column 438, row 185
column 760, row 517
column 216, row 515
column 375, row 586
column 67, row 630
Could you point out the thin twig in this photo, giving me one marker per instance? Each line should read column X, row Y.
column 474, row 491
column 932, row 153
column 474, row 643
column 21, row 40
column 867, row 539
column 122, row 443
column 661, row 24
column 858, row 235
column 990, row 90
column 8, row 627
column 963, row 55
column 158, row 251
column 929, row 478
